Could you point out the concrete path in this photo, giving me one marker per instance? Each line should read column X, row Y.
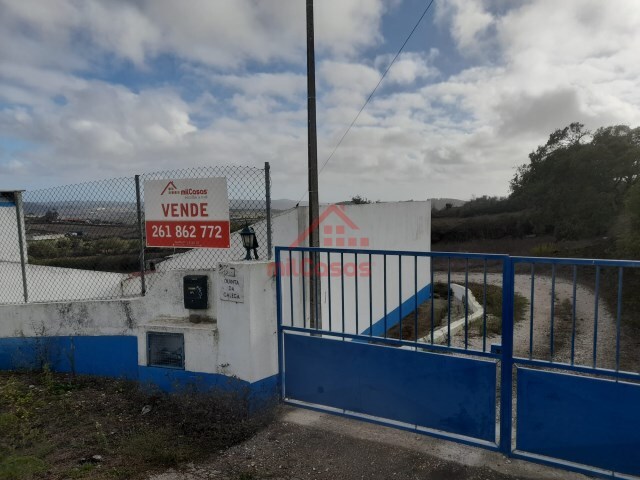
column 304, row 444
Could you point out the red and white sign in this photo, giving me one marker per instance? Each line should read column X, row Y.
column 188, row 213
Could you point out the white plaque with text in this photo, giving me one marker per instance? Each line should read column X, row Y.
column 230, row 284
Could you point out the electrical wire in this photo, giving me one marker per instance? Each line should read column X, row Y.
column 375, row 89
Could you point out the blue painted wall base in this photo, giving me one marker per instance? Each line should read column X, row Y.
column 393, row 317
column 109, row 356
column 117, row 357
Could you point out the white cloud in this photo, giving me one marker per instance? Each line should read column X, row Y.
column 11, row 167
column 99, row 124
column 351, row 75
column 409, row 67
column 531, row 67
column 469, row 21
column 220, row 33
column 284, row 85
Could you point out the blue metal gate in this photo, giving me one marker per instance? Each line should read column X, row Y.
column 424, row 341
column 579, row 410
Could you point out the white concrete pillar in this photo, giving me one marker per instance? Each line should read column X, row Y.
column 247, row 324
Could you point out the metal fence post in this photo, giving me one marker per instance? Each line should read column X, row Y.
column 506, row 377
column 143, row 285
column 280, row 333
column 267, row 182
column 22, row 239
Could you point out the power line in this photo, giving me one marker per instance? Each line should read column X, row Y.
column 384, row 74
column 378, row 85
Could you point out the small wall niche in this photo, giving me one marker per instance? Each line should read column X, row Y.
column 165, row 350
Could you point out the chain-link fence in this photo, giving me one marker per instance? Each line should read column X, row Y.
column 11, row 239
column 86, row 241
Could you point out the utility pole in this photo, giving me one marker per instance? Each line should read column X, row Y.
column 314, row 209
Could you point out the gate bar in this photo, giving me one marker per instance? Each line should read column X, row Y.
column 506, row 369
column 279, row 318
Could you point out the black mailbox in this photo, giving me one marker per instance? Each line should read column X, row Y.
column 196, row 294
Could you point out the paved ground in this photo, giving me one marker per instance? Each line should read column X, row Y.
column 303, row 444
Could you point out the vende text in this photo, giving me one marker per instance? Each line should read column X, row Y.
column 181, row 210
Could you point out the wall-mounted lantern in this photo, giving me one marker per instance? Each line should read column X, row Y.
column 249, row 242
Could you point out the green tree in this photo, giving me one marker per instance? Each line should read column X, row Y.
column 63, row 246
column 42, row 249
column 359, row 200
column 51, row 216
column 576, row 183
column 628, row 241
column 111, row 245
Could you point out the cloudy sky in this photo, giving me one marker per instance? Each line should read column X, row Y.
column 95, row 89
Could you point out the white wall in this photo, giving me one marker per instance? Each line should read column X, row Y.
column 248, row 330
column 100, row 317
column 475, row 313
column 45, row 284
column 234, row 339
column 9, row 243
column 404, row 226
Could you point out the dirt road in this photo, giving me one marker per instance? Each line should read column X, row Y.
column 304, row 444
column 563, row 324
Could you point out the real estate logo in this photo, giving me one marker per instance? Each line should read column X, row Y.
column 345, row 234
column 171, row 189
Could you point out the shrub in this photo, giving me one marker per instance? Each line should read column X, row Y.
column 544, row 250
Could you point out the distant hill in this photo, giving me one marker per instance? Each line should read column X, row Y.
column 285, row 204
column 126, row 211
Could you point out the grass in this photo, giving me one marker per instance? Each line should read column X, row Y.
column 441, row 311
column 15, row 466
column 494, row 308
column 440, row 314
column 52, row 426
column 546, row 249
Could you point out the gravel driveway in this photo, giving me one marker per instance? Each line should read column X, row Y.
column 303, row 444
column 585, row 309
